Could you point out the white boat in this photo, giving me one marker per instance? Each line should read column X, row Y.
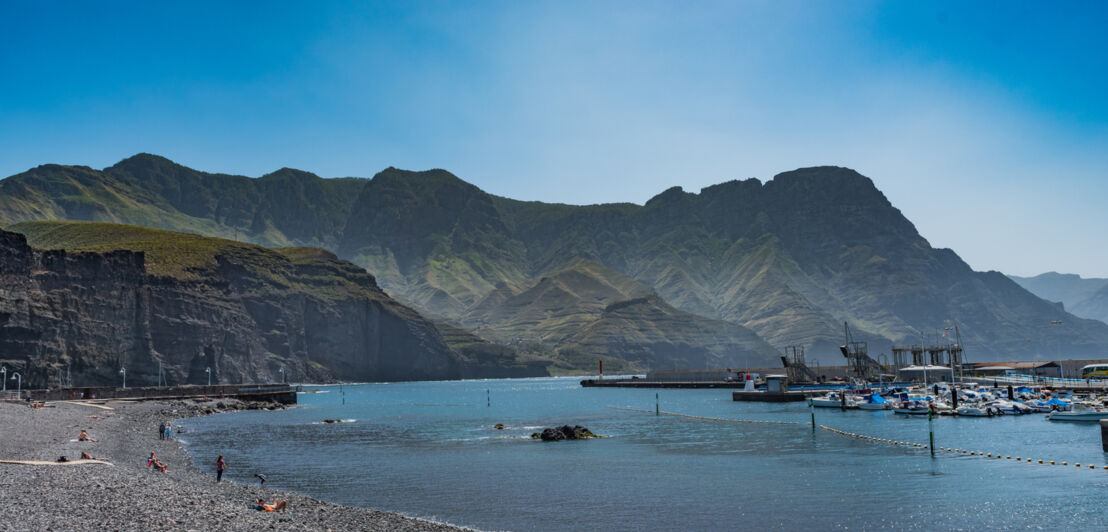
column 1010, row 408
column 912, row 408
column 973, row 410
column 833, row 400
column 1079, row 412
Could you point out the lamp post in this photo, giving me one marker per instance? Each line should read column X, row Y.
column 209, row 372
column 282, row 374
column 4, row 371
column 1058, row 351
column 950, row 358
column 19, row 382
column 123, row 371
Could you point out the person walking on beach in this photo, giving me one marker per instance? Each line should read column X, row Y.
column 161, row 431
column 168, row 430
column 220, row 465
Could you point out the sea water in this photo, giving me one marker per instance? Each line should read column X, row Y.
column 430, row 449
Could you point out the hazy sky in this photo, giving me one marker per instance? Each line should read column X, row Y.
column 985, row 123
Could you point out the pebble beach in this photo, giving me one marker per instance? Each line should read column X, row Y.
column 127, row 495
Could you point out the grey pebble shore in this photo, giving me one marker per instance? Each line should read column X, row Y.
column 130, row 496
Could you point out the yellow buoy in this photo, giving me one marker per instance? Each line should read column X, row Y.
column 1052, row 462
column 1064, row 463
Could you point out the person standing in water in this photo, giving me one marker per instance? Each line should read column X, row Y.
column 220, row 465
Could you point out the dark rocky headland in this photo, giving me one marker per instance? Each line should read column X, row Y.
column 135, row 298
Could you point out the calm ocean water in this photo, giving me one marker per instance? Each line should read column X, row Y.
column 429, row 449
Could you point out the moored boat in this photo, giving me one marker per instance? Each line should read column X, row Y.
column 1079, row 412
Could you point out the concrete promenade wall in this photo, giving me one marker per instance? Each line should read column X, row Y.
column 279, row 393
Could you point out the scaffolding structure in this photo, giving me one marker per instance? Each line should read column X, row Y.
column 795, row 365
column 862, row 366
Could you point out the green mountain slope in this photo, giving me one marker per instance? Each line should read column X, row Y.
column 586, row 311
column 121, row 295
column 791, row 258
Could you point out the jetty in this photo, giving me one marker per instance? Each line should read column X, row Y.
column 675, row 378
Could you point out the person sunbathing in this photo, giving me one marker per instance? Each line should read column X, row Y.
column 86, row 456
column 277, row 506
column 83, row 436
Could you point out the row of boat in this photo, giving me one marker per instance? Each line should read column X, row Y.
column 972, row 400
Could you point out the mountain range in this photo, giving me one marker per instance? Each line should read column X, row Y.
column 725, row 276
column 1087, row 298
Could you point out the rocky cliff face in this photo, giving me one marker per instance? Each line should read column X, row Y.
column 93, row 313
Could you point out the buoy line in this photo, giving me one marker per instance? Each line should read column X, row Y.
column 993, row 456
column 864, row 437
column 705, row 418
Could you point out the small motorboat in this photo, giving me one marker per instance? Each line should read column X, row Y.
column 874, row 402
column 912, row 408
column 973, row 411
column 1079, row 412
column 1054, row 404
column 1010, row 408
column 833, row 400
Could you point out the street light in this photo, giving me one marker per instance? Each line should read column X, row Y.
column 950, row 357
column 123, row 371
column 209, row 372
column 19, row 389
column 282, row 374
column 4, row 378
column 1058, row 351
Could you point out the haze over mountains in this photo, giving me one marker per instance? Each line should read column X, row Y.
column 1087, row 298
column 718, row 277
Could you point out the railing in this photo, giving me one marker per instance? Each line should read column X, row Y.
column 1038, row 380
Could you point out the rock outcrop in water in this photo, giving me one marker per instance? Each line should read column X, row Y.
column 192, row 303
column 564, row 432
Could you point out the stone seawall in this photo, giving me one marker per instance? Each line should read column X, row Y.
column 277, row 393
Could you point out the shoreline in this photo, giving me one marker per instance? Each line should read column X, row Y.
column 127, row 495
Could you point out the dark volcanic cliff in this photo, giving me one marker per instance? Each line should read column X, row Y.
column 246, row 313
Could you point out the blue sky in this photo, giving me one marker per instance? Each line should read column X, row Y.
column 985, row 123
